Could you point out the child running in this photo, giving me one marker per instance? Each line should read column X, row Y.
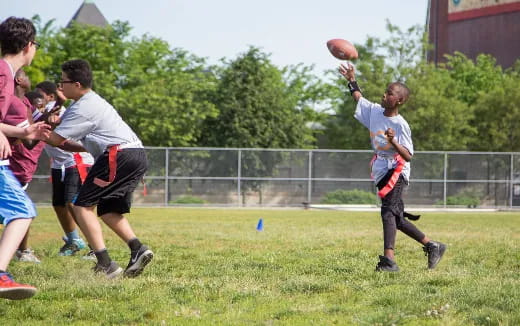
column 391, row 139
column 120, row 164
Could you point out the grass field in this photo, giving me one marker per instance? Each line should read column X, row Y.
column 306, row 267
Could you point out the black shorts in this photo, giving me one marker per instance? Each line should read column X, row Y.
column 117, row 196
column 64, row 187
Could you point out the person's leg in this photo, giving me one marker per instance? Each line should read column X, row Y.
column 11, row 238
column 24, row 242
column 434, row 250
column 24, row 253
column 65, row 218
column 111, row 212
column 90, row 226
column 120, row 225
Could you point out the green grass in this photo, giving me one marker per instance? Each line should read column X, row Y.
column 307, row 267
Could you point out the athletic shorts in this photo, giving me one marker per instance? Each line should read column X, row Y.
column 65, row 186
column 14, row 201
column 117, row 196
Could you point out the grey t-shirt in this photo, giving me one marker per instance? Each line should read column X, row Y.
column 59, row 157
column 94, row 122
column 371, row 116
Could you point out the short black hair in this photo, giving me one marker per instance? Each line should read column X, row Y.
column 48, row 88
column 15, row 34
column 31, row 96
column 403, row 90
column 78, row 71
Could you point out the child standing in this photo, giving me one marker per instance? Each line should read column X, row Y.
column 391, row 139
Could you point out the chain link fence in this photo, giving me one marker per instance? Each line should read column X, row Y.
column 291, row 177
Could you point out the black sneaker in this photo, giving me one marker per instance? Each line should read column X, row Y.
column 138, row 260
column 386, row 265
column 112, row 271
column 434, row 250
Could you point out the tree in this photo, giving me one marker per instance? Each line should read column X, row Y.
column 497, row 112
column 257, row 108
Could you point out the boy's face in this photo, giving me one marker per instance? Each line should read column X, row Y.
column 392, row 97
column 30, row 51
column 38, row 103
column 70, row 89
column 46, row 98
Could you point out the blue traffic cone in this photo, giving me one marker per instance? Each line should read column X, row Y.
column 260, row 225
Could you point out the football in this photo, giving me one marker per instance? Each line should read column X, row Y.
column 342, row 49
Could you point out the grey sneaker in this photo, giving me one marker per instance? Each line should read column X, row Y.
column 434, row 250
column 89, row 255
column 138, row 260
column 27, row 256
column 112, row 271
column 386, row 264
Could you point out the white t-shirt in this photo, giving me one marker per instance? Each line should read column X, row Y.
column 371, row 116
column 94, row 122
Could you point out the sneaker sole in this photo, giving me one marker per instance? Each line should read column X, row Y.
column 441, row 250
column 17, row 293
column 137, row 268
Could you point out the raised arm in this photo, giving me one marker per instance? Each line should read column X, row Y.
column 348, row 72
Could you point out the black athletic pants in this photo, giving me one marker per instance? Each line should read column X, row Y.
column 392, row 208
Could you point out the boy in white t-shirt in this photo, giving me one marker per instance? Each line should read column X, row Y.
column 391, row 139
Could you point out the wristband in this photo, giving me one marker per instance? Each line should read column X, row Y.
column 353, row 87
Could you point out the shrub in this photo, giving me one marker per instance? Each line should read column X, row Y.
column 463, row 200
column 188, row 200
column 349, row 197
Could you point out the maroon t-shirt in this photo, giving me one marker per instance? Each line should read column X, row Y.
column 6, row 88
column 23, row 162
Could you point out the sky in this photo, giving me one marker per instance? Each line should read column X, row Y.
column 290, row 31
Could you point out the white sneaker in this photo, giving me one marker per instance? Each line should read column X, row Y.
column 26, row 255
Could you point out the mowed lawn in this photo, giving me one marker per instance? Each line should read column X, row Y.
column 212, row 267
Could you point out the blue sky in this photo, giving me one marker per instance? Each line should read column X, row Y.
column 291, row 31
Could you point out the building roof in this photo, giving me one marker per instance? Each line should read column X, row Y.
column 89, row 14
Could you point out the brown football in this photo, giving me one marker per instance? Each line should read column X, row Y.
column 342, row 49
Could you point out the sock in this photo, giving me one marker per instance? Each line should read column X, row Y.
column 102, row 257
column 74, row 235
column 134, row 244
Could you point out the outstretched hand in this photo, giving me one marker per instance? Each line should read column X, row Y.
column 5, row 148
column 347, row 70
column 38, row 130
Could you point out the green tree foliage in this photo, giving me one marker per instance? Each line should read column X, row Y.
column 438, row 119
column 257, row 107
column 497, row 116
column 163, row 93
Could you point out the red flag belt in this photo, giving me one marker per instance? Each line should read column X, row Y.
column 81, row 166
column 112, row 166
column 393, row 179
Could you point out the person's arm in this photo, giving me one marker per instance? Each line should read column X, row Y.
column 30, row 144
column 405, row 154
column 66, row 144
column 5, row 147
column 39, row 130
column 348, row 72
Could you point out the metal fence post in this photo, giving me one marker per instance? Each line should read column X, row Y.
column 512, row 175
column 309, row 180
column 166, row 176
column 239, row 169
column 445, row 178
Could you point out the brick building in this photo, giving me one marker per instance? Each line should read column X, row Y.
column 473, row 27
